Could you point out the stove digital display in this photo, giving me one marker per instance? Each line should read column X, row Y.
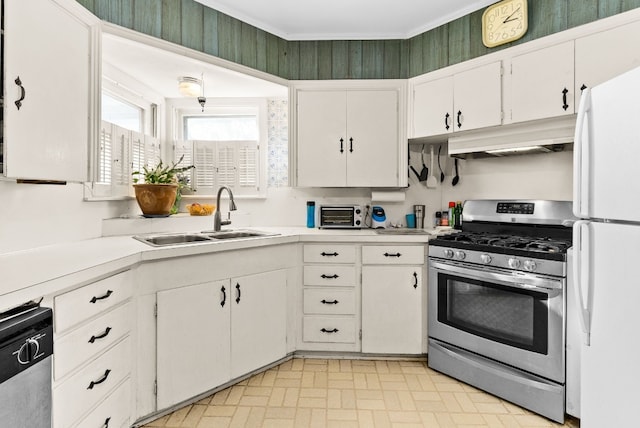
column 515, row 208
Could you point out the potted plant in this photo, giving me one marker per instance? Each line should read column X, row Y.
column 156, row 187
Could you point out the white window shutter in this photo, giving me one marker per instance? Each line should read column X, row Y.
column 184, row 150
column 121, row 158
column 204, row 174
column 248, row 166
column 104, row 156
column 151, row 151
column 227, row 166
column 137, row 151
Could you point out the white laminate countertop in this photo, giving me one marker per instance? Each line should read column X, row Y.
column 31, row 274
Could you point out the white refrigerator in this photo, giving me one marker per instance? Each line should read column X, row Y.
column 606, row 268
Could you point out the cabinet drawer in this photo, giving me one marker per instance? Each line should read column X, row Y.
column 393, row 254
column 78, row 346
column 329, row 329
column 77, row 305
column 89, row 386
column 338, row 275
column 329, row 253
column 116, row 409
column 330, row 302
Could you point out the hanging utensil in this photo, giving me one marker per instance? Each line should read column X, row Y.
column 412, row 168
column 424, row 173
column 440, row 166
column 456, row 177
column 432, row 182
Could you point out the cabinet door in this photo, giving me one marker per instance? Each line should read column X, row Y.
column 392, row 309
column 542, row 83
column 322, row 140
column 606, row 54
column 193, row 341
column 258, row 321
column 372, row 138
column 433, row 108
column 47, row 58
column 477, row 98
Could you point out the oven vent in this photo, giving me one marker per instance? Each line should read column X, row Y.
column 541, row 136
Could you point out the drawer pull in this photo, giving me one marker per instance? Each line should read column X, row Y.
column 100, row 336
column 224, row 296
column 324, row 330
column 106, row 422
column 334, row 276
column 238, row 288
column 323, row 254
column 95, row 299
column 327, row 302
column 99, row 381
column 392, row 254
column 415, row 278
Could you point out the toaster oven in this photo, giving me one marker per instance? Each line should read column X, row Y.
column 340, row 217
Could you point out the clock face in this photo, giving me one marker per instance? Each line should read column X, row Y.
column 504, row 22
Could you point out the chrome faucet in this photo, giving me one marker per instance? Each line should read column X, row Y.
column 217, row 219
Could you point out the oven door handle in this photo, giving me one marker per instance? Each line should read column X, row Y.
column 520, row 280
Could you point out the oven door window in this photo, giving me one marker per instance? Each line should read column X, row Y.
column 507, row 315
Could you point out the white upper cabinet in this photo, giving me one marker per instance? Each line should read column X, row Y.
column 542, row 83
column 433, row 107
column 603, row 55
column 47, row 87
column 477, row 97
column 348, row 138
column 467, row 100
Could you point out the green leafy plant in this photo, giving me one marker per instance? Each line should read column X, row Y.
column 161, row 173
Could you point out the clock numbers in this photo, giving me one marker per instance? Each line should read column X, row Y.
column 504, row 22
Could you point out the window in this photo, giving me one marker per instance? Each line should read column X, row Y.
column 122, row 149
column 225, row 148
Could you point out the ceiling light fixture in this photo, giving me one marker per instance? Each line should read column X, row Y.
column 201, row 98
column 189, row 86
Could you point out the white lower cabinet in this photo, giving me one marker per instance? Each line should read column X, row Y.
column 213, row 332
column 258, row 321
column 330, row 304
column 193, row 341
column 92, row 363
column 392, row 299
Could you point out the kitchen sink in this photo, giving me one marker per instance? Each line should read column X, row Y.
column 236, row 234
column 161, row 240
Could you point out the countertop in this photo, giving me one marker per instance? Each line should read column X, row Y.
column 30, row 274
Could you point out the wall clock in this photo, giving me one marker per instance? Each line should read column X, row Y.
column 504, row 22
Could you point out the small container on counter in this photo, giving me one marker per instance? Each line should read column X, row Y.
column 311, row 214
column 438, row 219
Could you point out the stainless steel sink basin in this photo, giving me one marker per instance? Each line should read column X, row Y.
column 166, row 239
column 172, row 239
column 235, row 234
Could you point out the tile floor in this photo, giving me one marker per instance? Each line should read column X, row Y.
column 353, row 393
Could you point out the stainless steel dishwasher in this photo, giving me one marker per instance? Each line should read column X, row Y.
column 26, row 349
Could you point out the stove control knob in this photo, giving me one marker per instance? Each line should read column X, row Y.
column 485, row 258
column 448, row 253
column 460, row 255
column 514, row 263
column 529, row 265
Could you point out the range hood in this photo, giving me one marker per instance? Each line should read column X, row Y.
column 540, row 136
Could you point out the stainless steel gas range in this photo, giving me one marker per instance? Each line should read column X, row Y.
column 497, row 301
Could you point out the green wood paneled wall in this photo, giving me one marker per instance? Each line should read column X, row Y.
column 191, row 24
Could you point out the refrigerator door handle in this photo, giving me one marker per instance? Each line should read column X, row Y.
column 581, row 244
column 581, row 154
